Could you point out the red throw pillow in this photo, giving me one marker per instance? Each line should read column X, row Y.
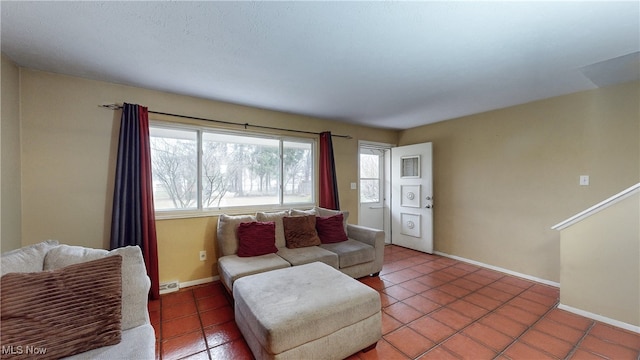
column 331, row 229
column 256, row 238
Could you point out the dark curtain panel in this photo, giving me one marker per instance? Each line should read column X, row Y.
column 328, row 181
column 133, row 217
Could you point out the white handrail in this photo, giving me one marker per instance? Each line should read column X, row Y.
column 597, row 207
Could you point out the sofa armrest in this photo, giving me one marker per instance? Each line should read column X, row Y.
column 370, row 236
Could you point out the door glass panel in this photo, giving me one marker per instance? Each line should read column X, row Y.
column 369, row 166
column 369, row 178
column 369, row 191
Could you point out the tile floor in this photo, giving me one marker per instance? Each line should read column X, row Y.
column 433, row 308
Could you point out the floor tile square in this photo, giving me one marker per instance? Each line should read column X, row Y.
column 520, row 350
column 438, row 296
column 398, row 292
column 564, row 317
column 382, row 351
column 236, row 350
column 484, row 302
column 561, row 331
column 616, row 335
column 432, row 329
column 184, row 345
column 422, row 304
column 488, row 336
column 177, row 298
column 467, row 348
column 479, row 279
column 409, row 342
column 517, row 314
column 402, row 312
column 466, row 284
column 222, row 334
column 607, row 349
column 454, row 290
column 439, row 353
column 178, row 310
column 415, row 286
column 503, row 286
column 389, row 323
column 495, row 293
column 451, row 318
column 504, row 325
column 547, row 343
column 468, row 309
column 528, row 305
column 217, row 316
column 180, row 326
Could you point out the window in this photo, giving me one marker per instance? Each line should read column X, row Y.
column 202, row 169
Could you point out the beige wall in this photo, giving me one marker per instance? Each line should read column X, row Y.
column 10, row 220
column 68, row 161
column 503, row 178
column 601, row 262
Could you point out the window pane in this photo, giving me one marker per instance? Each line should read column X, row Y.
column 298, row 172
column 369, row 191
column 239, row 170
column 174, row 160
column 369, row 166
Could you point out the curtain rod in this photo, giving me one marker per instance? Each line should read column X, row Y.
column 119, row 107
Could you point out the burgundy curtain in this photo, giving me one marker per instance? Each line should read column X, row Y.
column 133, row 218
column 328, row 181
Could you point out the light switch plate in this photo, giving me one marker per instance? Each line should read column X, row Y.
column 354, row 186
column 584, row 180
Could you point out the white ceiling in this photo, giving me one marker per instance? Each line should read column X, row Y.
column 383, row 64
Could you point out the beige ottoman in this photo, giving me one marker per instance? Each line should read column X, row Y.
column 310, row 311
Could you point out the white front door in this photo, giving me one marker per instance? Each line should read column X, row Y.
column 412, row 197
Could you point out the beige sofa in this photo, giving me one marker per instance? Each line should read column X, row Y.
column 49, row 288
column 361, row 255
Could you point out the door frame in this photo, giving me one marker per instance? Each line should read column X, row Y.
column 386, row 181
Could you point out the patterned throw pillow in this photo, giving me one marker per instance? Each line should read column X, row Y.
column 53, row 314
column 300, row 231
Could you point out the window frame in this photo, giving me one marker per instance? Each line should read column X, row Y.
column 200, row 211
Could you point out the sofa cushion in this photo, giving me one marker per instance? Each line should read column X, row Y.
column 65, row 311
column 300, row 231
column 306, row 255
column 331, row 229
column 138, row 343
column 256, row 238
column 227, row 232
column 351, row 252
column 135, row 282
column 277, row 218
column 233, row 267
column 26, row 259
column 297, row 212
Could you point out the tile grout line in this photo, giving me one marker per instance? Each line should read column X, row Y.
column 204, row 335
column 577, row 345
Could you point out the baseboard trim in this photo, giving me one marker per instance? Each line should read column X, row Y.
column 604, row 319
column 502, row 270
column 199, row 281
